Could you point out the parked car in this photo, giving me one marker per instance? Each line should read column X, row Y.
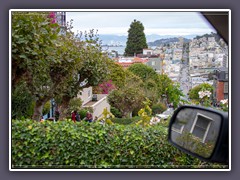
column 165, row 114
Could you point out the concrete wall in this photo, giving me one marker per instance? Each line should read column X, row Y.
column 86, row 95
column 99, row 106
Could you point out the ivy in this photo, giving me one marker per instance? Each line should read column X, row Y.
column 65, row 144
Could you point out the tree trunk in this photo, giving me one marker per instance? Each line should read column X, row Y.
column 63, row 107
column 125, row 114
column 38, row 109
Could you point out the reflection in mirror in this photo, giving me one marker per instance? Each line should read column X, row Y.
column 196, row 130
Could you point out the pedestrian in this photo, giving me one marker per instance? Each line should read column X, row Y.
column 78, row 118
column 42, row 119
column 74, row 116
column 57, row 114
column 89, row 117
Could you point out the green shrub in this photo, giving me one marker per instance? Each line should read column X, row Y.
column 126, row 121
column 65, row 144
column 158, row 108
column 46, row 108
column 83, row 112
column 22, row 102
column 115, row 112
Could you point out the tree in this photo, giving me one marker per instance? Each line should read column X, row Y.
column 129, row 96
column 169, row 90
column 34, row 41
column 150, row 81
column 143, row 71
column 92, row 72
column 22, row 101
column 53, row 64
column 136, row 41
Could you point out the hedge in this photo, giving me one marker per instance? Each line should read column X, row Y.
column 125, row 121
column 65, row 144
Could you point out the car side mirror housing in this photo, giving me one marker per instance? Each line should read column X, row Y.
column 201, row 132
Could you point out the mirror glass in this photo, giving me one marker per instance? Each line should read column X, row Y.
column 196, row 130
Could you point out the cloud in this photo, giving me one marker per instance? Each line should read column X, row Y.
column 162, row 23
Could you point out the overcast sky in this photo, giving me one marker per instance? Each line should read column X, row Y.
column 161, row 23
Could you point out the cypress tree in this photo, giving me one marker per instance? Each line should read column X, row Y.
column 136, row 41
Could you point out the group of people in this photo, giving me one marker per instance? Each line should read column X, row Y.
column 76, row 117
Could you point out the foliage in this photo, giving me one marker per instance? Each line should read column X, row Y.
column 224, row 105
column 205, row 98
column 136, row 41
column 129, row 96
column 46, row 108
column 158, row 108
column 150, row 80
column 116, row 73
column 170, row 90
column 174, row 94
column 42, row 56
column 115, row 112
column 75, row 104
column 193, row 93
column 53, row 64
column 65, row 144
column 105, row 87
column 126, row 121
column 125, row 99
column 22, row 102
column 143, row 71
column 106, row 117
column 83, row 113
column 145, row 114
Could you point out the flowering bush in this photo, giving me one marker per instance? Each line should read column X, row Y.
column 202, row 94
column 52, row 16
column 154, row 121
column 106, row 87
column 224, row 104
column 205, row 97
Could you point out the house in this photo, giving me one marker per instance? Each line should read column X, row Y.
column 97, row 102
column 156, row 64
column 220, row 84
column 147, row 52
column 126, row 62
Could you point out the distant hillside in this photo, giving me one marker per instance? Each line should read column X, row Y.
column 166, row 41
column 215, row 35
column 121, row 40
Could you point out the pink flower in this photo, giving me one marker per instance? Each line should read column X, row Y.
column 52, row 16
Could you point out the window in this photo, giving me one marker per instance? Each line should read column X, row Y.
column 153, row 63
column 225, row 90
column 149, row 53
column 201, row 126
column 225, row 96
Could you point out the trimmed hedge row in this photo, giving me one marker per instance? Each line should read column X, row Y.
column 65, row 144
column 126, row 121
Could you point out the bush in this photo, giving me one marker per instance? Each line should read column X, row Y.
column 158, row 108
column 126, row 121
column 46, row 108
column 115, row 112
column 83, row 113
column 65, row 144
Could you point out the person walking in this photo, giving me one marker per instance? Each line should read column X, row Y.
column 78, row 118
column 74, row 116
column 89, row 117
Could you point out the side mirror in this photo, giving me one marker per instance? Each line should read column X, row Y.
column 200, row 132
